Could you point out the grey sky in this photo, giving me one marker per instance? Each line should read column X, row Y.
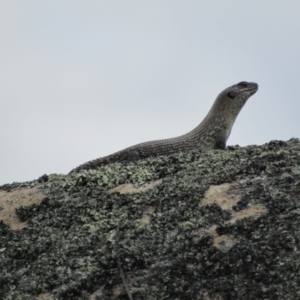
column 82, row 79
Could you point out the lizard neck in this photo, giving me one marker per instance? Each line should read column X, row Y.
column 213, row 132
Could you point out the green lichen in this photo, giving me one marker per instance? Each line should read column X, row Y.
column 78, row 233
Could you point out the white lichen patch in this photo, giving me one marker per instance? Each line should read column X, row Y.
column 254, row 211
column 222, row 195
column 146, row 218
column 10, row 201
column 44, row 296
column 129, row 188
column 226, row 196
column 224, row 242
column 94, row 296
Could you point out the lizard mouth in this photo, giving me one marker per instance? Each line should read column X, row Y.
column 253, row 87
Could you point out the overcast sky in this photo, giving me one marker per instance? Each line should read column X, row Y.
column 83, row 79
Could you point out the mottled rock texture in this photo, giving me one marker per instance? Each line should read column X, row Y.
column 214, row 225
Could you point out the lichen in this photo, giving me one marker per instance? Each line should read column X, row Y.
column 80, row 238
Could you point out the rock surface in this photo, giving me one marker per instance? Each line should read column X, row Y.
column 213, row 225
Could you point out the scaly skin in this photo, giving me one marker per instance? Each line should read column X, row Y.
column 211, row 133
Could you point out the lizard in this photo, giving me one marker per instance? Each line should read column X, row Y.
column 211, row 133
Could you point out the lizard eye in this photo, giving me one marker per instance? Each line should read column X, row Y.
column 231, row 95
column 243, row 84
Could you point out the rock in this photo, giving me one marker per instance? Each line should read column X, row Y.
column 213, row 225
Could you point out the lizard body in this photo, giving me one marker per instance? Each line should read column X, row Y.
column 211, row 133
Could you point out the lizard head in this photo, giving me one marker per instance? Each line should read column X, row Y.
column 230, row 101
column 242, row 90
column 227, row 107
column 234, row 97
